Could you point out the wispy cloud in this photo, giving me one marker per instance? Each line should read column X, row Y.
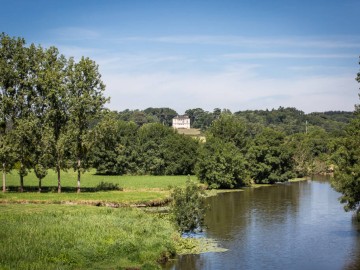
column 264, row 55
column 74, row 33
column 306, row 42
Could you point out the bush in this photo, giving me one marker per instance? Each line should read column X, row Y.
column 188, row 207
column 106, row 186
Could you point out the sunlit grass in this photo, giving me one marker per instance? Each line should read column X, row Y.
column 94, row 198
column 90, row 179
column 82, row 237
column 143, row 189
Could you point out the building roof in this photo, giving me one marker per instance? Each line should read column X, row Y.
column 181, row 117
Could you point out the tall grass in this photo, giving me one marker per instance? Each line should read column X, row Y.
column 80, row 237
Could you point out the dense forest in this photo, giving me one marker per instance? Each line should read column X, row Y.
column 53, row 116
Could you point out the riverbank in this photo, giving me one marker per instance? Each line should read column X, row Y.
column 69, row 232
column 49, row 230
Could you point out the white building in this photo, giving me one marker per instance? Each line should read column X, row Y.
column 181, row 121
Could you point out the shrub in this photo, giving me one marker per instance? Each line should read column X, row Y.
column 188, row 207
column 105, row 186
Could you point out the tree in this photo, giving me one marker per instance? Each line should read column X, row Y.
column 164, row 115
column 346, row 179
column 269, row 158
column 151, row 152
column 113, row 151
column 12, row 54
column 56, row 97
column 188, row 207
column 347, row 159
column 180, row 154
column 230, row 129
column 221, row 164
column 86, row 102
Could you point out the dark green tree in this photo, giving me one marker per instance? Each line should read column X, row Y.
column 151, row 153
column 164, row 115
column 269, row 158
column 180, row 154
column 221, row 164
column 346, row 179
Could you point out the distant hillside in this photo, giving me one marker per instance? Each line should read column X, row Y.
column 288, row 120
column 291, row 120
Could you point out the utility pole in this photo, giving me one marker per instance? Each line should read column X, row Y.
column 306, row 127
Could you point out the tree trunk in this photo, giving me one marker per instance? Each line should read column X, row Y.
column 21, row 183
column 4, row 178
column 58, row 178
column 78, row 178
column 21, row 178
column 39, row 185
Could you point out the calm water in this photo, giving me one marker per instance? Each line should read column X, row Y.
column 288, row 226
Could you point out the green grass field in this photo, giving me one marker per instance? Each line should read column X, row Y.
column 83, row 237
column 138, row 190
column 90, row 179
column 64, row 231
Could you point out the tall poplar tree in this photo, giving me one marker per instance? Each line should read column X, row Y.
column 56, row 96
column 86, row 102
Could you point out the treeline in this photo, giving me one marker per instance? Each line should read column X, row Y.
column 48, row 105
column 123, row 147
column 236, row 152
column 288, row 120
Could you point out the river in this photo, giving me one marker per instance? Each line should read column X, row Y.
column 297, row 225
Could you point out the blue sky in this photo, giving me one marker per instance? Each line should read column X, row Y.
column 186, row 54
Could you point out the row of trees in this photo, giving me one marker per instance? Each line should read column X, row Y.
column 234, row 153
column 121, row 147
column 287, row 120
column 48, row 103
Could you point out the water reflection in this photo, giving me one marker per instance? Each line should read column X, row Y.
column 286, row 226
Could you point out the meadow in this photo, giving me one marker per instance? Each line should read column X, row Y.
column 83, row 237
column 143, row 190
column 48, row 230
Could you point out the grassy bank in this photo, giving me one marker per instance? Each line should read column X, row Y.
column 81, row 237
column 109, row 198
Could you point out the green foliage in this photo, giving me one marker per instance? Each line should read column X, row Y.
column 221, row 164
column 202, row 119
column 188, row 207
column 269, row 158
column 347, row 171
column 292, row 121
column 229, row 128
column 105, row 186
column 347, row 159
column 164, row 115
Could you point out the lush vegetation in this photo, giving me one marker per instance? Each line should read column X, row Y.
column 188, row 207
column 347, row 159
column 78, row 237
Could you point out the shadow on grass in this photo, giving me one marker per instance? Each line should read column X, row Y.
column 54, row 189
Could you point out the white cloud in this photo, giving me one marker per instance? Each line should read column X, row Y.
column 235, row 91
column 305, row 42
